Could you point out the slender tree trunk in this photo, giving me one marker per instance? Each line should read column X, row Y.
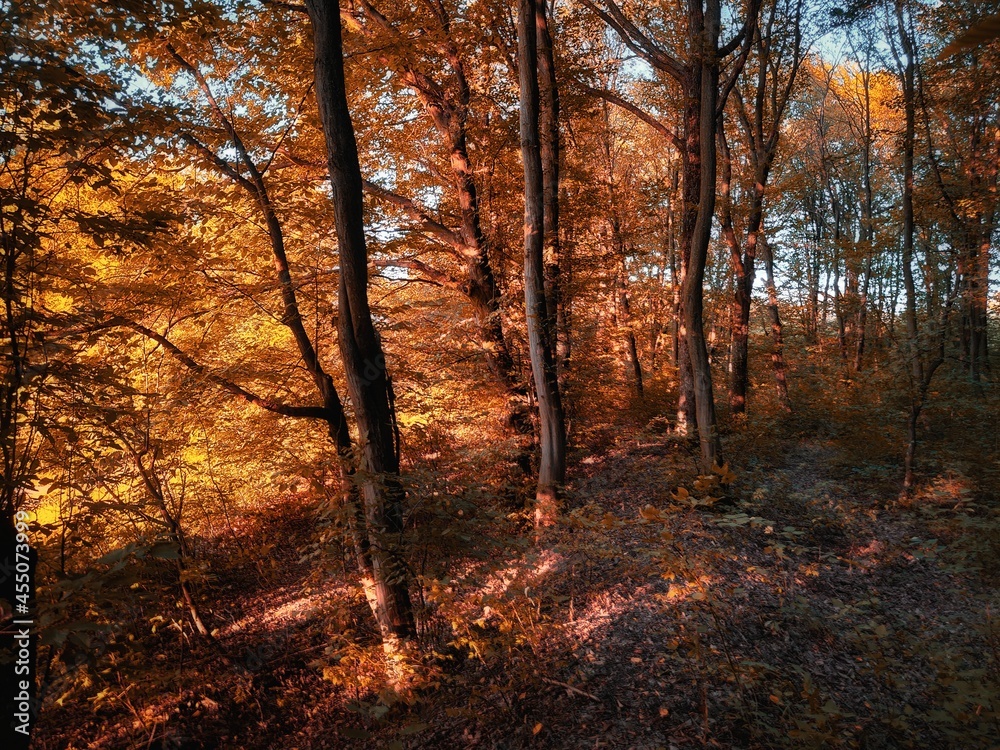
column 627, row 325
column 920, row 373
column 360, row 347
column 777, row 334
column 692, row 294
column 838, row 309
column 867, row 223
column 739, row 349
column 691, row 194
column 814, row 308
column 550, row 153
column 859, row 351
column 541, row 339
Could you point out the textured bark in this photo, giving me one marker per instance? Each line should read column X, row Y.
column 541, row 339
column 360, row 347
column 550, row 153
column 692, row 292
column 691, row 194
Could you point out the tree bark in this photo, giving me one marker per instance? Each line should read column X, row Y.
column 692, row 292
column 552, row 431
column 550, row 153
column 360, row 347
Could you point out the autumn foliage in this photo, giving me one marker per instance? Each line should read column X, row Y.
column 476, row 374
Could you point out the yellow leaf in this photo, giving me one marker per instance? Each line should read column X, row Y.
column 537, row 729
column 681, row 494
column 664, row 710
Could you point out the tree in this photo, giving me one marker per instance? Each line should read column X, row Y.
column 540, row 320
column 446, row 96
column 697, row 70
column 360, row 348
column 774, row 63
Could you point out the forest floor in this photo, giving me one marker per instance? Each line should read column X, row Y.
column 809, row 606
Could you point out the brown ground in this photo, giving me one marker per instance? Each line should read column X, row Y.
column 807, row 608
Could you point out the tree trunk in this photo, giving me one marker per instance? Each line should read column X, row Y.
column 739, row 349
column 360, row 348
column 838, row 309
column 859, row 351
column 777, row 343
column 921, row 372
column 550, row 153
column 692, row 293
column 552, row 431
column 626, row 324
column 691, row 194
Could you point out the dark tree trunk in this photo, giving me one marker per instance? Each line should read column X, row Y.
column 691, row 195
column 862, row 324
column 541, row 338
column 743, row 260
column 555, row 291
column 360, row 347
column 921, row 371
column 692, row 293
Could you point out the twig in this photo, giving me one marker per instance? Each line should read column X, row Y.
column 571, row 689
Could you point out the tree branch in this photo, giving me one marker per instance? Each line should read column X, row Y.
column 618, row 101
column 636, row 40
column 429, row 275
column 285, row 410
column 420, row 215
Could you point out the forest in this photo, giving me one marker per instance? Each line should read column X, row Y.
column 475, row 374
